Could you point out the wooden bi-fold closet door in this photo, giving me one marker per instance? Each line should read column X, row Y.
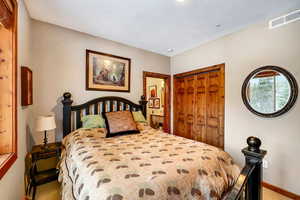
column 199, row 105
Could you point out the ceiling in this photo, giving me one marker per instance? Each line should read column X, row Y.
column 158, row 25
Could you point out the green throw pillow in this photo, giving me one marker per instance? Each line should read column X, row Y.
column 93, row 121
column 138, row 116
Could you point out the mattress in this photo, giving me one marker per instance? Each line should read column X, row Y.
column 148, row 165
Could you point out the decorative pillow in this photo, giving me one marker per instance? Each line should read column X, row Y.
column 120, row 122
column 138, row 116
column 93, row 121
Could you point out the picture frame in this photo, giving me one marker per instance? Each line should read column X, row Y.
column 156, row 104
column 151, row 103
column 107, row 72
column 153, row 91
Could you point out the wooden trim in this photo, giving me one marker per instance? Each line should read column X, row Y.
column 263, row 74
column 222, row 120
column 4, row 167
column 11, row 159
column 15, row 52
column 281, row 191
column 87, row 87
column 174, row 102
column 167, row 108
column 201, row 70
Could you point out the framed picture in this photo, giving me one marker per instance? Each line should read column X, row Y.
column 151, row 103
column 153, row 91
column 156, row 103
column 107, row 72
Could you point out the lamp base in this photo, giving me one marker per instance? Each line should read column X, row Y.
column 45, row 147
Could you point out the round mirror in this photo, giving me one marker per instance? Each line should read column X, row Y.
column 269, row 91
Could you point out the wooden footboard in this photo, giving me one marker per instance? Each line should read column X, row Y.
column 249, row 183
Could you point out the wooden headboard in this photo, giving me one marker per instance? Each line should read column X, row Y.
column 72, row 114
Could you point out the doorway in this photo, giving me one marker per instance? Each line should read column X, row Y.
column 157, row 92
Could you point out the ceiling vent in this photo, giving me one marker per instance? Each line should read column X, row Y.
column 285, row 19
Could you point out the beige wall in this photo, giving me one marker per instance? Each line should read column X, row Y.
column 59, row 55
column 12, row 185
column 243, row 52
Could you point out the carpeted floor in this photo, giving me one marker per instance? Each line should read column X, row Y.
column 50, row 191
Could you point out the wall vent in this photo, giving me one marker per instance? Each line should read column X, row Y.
column 285, row 19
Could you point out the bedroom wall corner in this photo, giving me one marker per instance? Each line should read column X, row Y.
column 14, row 178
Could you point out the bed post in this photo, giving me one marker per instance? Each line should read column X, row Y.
column 143, row 104
column 249, row 183
column 254, row 156
column 67, row 102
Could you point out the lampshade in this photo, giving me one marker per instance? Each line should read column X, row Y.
column 45, row 123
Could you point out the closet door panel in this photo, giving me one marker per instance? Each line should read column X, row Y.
column 213, row 101
column 200, row 107
column 179, row 114
column 189, row 100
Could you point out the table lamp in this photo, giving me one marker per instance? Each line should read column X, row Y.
column 44, row 124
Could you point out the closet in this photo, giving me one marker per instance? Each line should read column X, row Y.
column 199, row 105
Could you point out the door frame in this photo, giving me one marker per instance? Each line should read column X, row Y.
column 220, row 67
column 167, row 103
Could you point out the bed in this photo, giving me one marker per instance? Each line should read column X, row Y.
column 148, row 165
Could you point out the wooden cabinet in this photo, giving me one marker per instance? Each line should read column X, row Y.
column 26, row 86
column 39, row 174
column 199, row 105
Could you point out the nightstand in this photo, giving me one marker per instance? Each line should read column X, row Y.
column 39, row 153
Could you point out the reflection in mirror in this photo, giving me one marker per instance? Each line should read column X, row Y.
column 268, row 91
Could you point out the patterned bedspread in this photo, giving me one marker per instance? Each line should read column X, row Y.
column 150, row 165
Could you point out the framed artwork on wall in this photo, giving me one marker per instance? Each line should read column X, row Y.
column 156, row 103
column 153, row 91
column 26, row 86
column 106, row 72
column 151, row 103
